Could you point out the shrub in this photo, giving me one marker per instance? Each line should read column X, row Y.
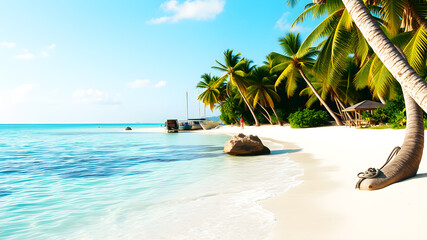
column 393, row 113
column 308, row 118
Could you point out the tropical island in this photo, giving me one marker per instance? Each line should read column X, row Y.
column 331, row 93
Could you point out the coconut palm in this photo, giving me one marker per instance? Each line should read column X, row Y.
column 341, row 39
column 376, row 76
column 398, row 66
column 399, row 15
column 389, row 55
column 340, row 90
column 292, row 65
column 261, row 89
column 235, row 69
column 213, row 92
column 406, row 163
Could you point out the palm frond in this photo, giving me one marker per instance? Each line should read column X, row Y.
column 362, row 77
column 416, row 50
column 325, row 28
column 392, row 12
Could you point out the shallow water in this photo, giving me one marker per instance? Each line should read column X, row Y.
column 98, row 182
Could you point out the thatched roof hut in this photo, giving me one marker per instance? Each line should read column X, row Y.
column 362, row 106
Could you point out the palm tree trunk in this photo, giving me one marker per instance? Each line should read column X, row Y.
column 337, row 120
column 410, row 81
column 265, row 116
column 249, row 106
column 278, row 120
column 382, row 100
column 269, row 117
column 344, row 115
column 406, row 162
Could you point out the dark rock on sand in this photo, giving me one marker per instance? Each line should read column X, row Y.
column 128, row 128
column 242, row 145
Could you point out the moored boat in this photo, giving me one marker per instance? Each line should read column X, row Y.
column 195, row 123
column 184, row 126
column 171, row 125
column 208, row 124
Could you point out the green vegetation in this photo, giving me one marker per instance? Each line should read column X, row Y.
column 393, row 113
column 333, row 68
column 308, row 118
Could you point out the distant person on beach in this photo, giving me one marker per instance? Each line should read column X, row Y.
column 242, row 122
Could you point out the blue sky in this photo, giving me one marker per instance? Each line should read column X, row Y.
column 100, row 61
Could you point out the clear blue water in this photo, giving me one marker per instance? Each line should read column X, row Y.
column 96, row 181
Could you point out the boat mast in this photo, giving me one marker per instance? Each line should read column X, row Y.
column 186, row 94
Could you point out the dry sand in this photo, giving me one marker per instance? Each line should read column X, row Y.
column 326, row 205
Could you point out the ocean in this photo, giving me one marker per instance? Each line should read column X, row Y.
column 97, row 181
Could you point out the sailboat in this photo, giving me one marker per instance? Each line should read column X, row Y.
column 192, row 123
column 208, row 124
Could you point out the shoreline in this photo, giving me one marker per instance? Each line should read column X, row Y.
column 291, row 221
column 326, row 205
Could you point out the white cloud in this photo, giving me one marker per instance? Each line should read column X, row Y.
column 196, row 9
column 21, row 93
column 27, row 55
column 45, row 54
column 145, row 83
column 24, row 56
column 160, row 84
column 95, row 96
column 139, row 83
column 8, row 44
column 284, row 25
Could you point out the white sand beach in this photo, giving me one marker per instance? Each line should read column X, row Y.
column 327, row 205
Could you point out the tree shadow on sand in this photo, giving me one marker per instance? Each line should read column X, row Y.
column 276, row 152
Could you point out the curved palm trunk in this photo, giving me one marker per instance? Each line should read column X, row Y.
column 266, row 117
column 405, row 163
column 277, row 117
column 249, row 106
column 410, row 81
column 344, row 115
column 337, row 120
column 382, row 100
column 268, row 114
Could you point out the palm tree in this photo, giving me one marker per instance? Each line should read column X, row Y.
column 261, row 89
column 213, row 92
column 398, row 66
column 343, row 39
column 340, row 89
column 235, row 69
column 293, row 64
column 375, row 75
column 406, row 163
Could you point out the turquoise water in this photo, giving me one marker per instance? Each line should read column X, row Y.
column 95, row 181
